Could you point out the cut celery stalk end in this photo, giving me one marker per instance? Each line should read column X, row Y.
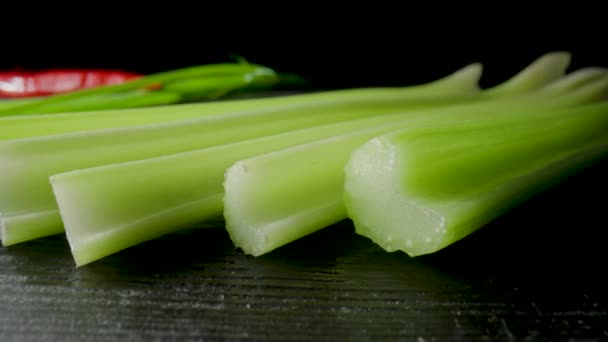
column 276, row 198
column 110, row 208
column 97, row 209
column 459, row 87
column 88, row 149
column 424, row 215
column 28, row 163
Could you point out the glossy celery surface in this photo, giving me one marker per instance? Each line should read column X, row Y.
column 28, row 209
column 414, row 192
column 279, row 197
column 110, row 208
column 40, row 218
column 103, row 215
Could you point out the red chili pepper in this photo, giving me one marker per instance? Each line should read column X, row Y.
column 55, row 81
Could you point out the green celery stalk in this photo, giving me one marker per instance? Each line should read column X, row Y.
column 419, row 191
column 26, row 201
column 462, row 83
column 27, row 204
column 110, row 208
column 276, row 198
column 33, row 213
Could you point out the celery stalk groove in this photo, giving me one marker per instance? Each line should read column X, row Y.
column 28, row 209
column 276, row 198
column 29, row 162
column 110, row 208
column 103, row 215
column 410, row 191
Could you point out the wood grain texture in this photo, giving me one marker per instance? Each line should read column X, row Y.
column 535, row 274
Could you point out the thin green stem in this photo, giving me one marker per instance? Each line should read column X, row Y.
column 211, row 70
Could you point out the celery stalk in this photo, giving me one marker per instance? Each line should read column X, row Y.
column 35, row 210
column 463, row 82
column 103, row 215
column 276, row 198
column 27, row 205
column 419, row 191
column 112, row 207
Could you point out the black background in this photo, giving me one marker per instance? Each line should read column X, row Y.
column 331, row 46
column 535, row 274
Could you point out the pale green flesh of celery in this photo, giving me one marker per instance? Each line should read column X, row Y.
column 277, row 198
column 109, row 208
column 391, row 201
column 461, row 83
column 28, row 163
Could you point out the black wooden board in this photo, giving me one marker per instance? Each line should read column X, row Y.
column 537, row 273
